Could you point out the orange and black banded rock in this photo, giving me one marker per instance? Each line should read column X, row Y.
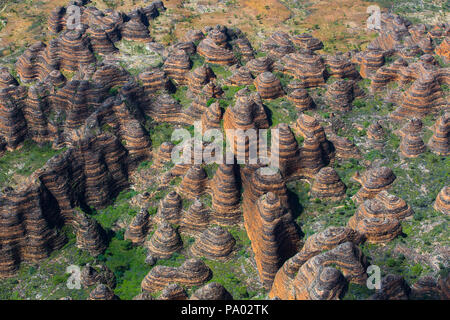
column 327, row 185
column 138, row 228
column 260, row 65
column 215, row 243
column 320, row 275
column 301, row 99
column 388, row 73
column 177, row 66
column 13, row 126
column 370, row 61
column 393, row 287
column 135, row 30
column 6, row 79
column 166, row 109
column 55, row 20
column 192, row 272
column 186, row 46
column 287, row 153
column 75, row 50
column 212, row 90
column 56, row 78
column 196, row 219
column 340, row 66
column 428, row 287
column 102, row 292
column 440, row 140
column 38, row 61
column 423, row 97
column 442, row 203
column 307, row 41
column 194, row 35
column 211, row 118
column 271, row 229
column 345, row 149
column 307, row 67
column 443, row 49
column 170, row 208
column 211, row 291
column 215, row 48
column 100, row 41
column 245, row 49
column 90, row 235
column 225, row 196
column 164, row 242
column 314, row 245
column 91, row 276
column 340, row 95
column 173, row 291
column 200, row 77
column 240, row 77
column 111, row 75
column 372, row 182
column 412, row 145
column 268, row 86
column 194, row 183
column 376, row 135
column 413, row 127
column 144, row 296
column 164, row 154
column 154, row 81
column 278, row 45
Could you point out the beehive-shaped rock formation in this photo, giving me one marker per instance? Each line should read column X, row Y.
column 260, row 65
column 345, row 149
column 307, row 41
column 194, row 183
column 200, row 77
column 443, row 49
column 196, row 219
column 278, row 45
column 177, row 66
column 91, row 276
column 311, row 275
column 75, row 50
column 268, row 86
column 225, row 196
column 327, row 185
column 370, row 61
column 164, row 154
column 240, row 77
column 102, row 292
column 442, row 202
column 173, row 291
column 378, row 219
column 192, row 272
column 301, row 99
column 412, row 145
column 138, row 228
column 307, row 67
column 372, row 182
column 135, row 30
column 393, row 287
column 340, row 66
column 100, row 41
column 287, row 152
column 164, row 242
column 90, row 235
column 245, row 49
column 166, row 109
column 440, row 141
column 170, row 208
column 211, row 118
column 154, row 81
column 215, row 243
column 212, row 291
column 376, row 135
column 215, row 48
column 340, row 95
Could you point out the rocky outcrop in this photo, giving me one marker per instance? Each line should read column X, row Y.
column 170, row 208
column 321, row 270
column 376, row 135
column 225, row 196
column 192, row 272
column 102, row 292
column 211, row 118
column 307, row 41
column 345, row 149
column 378, row 219
column 327, row 185
column 211, row 291
column 370, row 61
column 215, row 47
column 164, row 242
column 301, row 99
column 177, row 66
column 440, row 140
column 412, row 145
column 196, row 219
column 75, row 52
column 194, row 183
column 135, row 30
column 372, row 182
column 278, row 45
column 215, row 243
column 91, row 276
column 340, row 66
column 90, row 235
column 443, row 49
column 340, row 95
column 200, row 77
column 442, row 203
column 268, row 86
column 138, row 228
column 240, row 77
column 393, row 287
column 307, row 67
column 260, row 65
column 155, row 80
column 173, row 291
